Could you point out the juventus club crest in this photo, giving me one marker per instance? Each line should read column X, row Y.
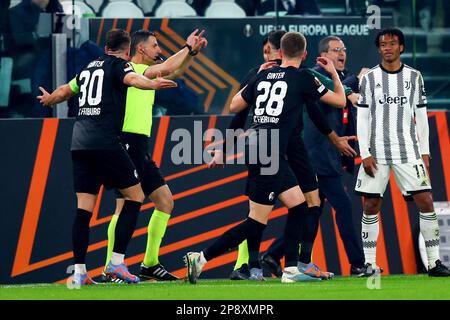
column 407, row 85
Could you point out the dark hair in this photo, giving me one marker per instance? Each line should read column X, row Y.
column 274, row 38
column 138, row 37
column 117, row 39
column 324, row 44
column 393, row 32
column 293, row 44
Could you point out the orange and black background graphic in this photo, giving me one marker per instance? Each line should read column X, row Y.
column 38, row 206
column 235, row 46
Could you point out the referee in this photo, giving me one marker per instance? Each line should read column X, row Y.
column 136, row 130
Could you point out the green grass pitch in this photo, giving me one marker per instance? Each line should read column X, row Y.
column 392, row 287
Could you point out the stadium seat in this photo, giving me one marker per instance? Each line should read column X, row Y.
column 146, row 5
column 122, row 9
column 174, row 8
column 224, row 9
column 14, row 3
column 95, row 5
column 81, row 8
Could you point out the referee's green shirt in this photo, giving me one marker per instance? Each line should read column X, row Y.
column 139, row 107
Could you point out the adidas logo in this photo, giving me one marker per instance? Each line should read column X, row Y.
column 378, row 85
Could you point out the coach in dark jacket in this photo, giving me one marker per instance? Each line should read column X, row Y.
column 328, row 162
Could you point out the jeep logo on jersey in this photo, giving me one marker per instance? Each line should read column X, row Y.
column 400, row 100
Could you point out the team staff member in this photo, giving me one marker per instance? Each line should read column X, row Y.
column 97, row 154
column 328, row 162
column 137, row 126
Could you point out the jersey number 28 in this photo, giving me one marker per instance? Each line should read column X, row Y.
column 274, row 95
column 91, row 80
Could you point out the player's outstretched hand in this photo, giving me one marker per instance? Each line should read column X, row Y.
column 326, row 64
column 201, row 42
column 192, row 39
column 354, row 97
column 218, row 160
column 343, row 146
column 161, row 83
column 370, row 166
column 44, row 99
column 267, row 65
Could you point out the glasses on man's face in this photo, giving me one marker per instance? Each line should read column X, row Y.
column 343, row 49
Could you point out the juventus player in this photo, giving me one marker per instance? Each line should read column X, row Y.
column 392, row 97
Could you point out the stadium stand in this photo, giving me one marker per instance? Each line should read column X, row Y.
column 147, row 6
column 96, row 5
column 174, row 8
column 122, row 9
column 80, row 7
column 224, row 9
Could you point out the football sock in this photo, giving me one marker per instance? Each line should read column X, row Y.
column 111, row 236
column 117, row 258
column 233, row 237
column 126, row 225
column 293, row 233
column 155, row 232
column 242, row 255
column 310, row 229
column 80, row 268
column 80, row 235
column 254, row 242
column 430, row 231
column 369, row 230
column 276, row 249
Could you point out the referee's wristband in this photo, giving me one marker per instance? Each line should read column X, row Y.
column 191, row 52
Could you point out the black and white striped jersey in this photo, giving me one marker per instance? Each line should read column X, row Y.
column 392, row 98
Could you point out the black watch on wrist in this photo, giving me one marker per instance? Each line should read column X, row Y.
column 191, row 52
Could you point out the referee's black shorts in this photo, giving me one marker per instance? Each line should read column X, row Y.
column 112, row 168
column 137, row 146
column 265, row 189
column 300, row 164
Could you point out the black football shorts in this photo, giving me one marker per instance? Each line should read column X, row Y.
column 265, row 189
column 112, row 168
column 300, row 164
column 137, row 146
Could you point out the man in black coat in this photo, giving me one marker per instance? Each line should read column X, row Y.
column 328, row 162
